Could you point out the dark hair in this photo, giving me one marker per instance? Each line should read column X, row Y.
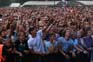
column 64, row 31
column 31, row 29
column 73, row 23
column 0, row 15
column 21, row 32
column 61, row 33
column 51, row 34
column 9, row 40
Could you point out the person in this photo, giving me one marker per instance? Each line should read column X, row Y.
column 81, row 55
column 8, row 50
column 3, row 34
column 77, row 48
column 92, row 46
column 66, row 45
column 65, row 2
column 1, row 38
column 51, row 48
column 2, row 58
column 44, row 20
column 35, row 42
column 21, row 48
column 88, row 40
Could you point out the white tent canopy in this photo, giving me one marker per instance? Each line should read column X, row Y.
column 86, row 2
column 14, row 4
column 40, row 3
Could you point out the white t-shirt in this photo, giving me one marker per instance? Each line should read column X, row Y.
column 36, row 43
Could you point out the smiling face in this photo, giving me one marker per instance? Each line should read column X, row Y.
column 42, row 24
column 21, row 36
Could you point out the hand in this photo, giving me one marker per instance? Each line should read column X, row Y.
column 85, row 52
column 26, row 51
column 81, row 50
column 73, row 55
column 38, row 53
column 51, row 49
column 44, row 54
column 10, row 49
column 20, row 54
column 78, row 52
column 67, row 57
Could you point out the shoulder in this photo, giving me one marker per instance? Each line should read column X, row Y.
column 29, row 36
column 71, row 41
column 39, row 31
column 47, row 43
column 76, row 40
column 30, row 40
column 60, row 38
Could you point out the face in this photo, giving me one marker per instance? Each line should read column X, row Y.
column 51, row 30
column 73, row 27
column 89, row 33
column 8, row 42
column 74, row 35
column 52, row 37
column 33, row 32
column 67, row 33
column 9, row 32
column 86, row 24
column 41, row 24
column 3, row 33
column 22, row 36
column 78, row 34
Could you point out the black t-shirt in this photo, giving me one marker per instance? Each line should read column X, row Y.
column 5, row 50
column 21, row 46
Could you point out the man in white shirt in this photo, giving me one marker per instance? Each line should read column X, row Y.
column 35, row 41
column 35, row 44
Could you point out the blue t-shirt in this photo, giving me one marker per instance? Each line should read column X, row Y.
column 88, row 41
column 75, row 43
column 48, row 44
column 65, row 44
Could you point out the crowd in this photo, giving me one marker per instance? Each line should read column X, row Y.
column 46, row 34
